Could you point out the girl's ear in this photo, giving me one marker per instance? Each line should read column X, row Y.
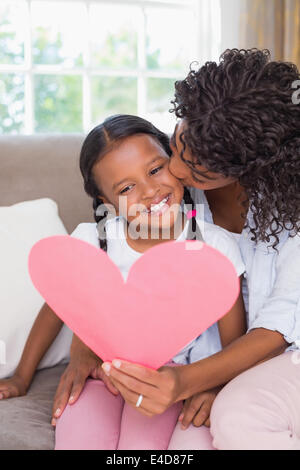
column 102, row 199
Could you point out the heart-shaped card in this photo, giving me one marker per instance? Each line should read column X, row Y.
column 173, row 293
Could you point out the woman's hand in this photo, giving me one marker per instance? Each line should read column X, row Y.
column 196, row 409
column 160, row 388
column 83, row 364
column 15, row 386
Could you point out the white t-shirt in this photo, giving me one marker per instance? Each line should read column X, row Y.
column 124, row 256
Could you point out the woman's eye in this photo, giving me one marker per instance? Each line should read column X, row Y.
column 152, row 172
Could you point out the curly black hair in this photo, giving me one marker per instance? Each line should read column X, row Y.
column 242, row 123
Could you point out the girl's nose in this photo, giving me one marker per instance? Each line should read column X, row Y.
column 149, row 190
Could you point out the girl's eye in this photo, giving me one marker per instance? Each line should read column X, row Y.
column 153, row 172
column 125, row 189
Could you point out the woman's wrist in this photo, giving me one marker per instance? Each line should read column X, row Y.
column 188, row 378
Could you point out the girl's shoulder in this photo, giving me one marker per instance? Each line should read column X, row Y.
column 197, row 195
column 86, row 232
column 216, row 236
column 224, row 241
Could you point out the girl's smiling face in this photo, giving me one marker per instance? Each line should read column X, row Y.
column 134, row 177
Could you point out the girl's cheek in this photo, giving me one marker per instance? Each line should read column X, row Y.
column 134, row 208
column 170, row 180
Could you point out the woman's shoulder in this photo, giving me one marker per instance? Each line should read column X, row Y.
column 289, row 255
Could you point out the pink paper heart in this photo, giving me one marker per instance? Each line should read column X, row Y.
column 173, row 293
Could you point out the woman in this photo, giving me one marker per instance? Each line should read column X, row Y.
column 238, row 145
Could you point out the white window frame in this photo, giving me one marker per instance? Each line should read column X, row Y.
column 201, row 51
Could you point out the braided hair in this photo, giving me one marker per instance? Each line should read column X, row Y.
column 100, row 141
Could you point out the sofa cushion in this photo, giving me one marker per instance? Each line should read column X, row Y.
column 22, row 225
column 40, row 166
column 26, row 421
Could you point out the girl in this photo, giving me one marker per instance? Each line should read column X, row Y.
column 124, row 163
column 239, row 133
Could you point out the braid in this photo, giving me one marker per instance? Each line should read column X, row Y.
column 195, row 230
column 98, row 218
column 188, row 200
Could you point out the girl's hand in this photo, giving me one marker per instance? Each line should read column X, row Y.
column 82, row 365
column 15, row 386
column 196, row 409
column 160, row 388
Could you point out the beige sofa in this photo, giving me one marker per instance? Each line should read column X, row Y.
column 33, row 167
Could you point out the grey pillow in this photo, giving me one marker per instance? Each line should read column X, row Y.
column 25, row 421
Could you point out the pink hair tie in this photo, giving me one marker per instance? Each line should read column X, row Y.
column 191, row 214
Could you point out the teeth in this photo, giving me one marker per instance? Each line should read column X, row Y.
column 157, row 207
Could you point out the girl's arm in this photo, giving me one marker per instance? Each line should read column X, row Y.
column 44, row 330
column 83, row 363
column 233, row 324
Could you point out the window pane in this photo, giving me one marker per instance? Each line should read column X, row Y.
column 58, row 33
column 12, row 103
column 113, row 35
column 58, row 103
column 169, row 38
column 160, row 92
column 12, row 32
column 113, row 95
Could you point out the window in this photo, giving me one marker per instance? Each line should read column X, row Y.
column 66, row 65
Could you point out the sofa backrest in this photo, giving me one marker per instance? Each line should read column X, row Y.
column 33, row 167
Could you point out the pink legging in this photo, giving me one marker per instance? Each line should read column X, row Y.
column 258, row 410
column 99, row 420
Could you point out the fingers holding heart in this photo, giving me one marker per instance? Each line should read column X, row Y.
column 131, row 388
column 132, row 399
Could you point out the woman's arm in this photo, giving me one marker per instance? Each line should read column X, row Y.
column 196, row 409
column 257, row 346
column 44, row 330
column 161, row 388
column 233, row 324
column 275, row 327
